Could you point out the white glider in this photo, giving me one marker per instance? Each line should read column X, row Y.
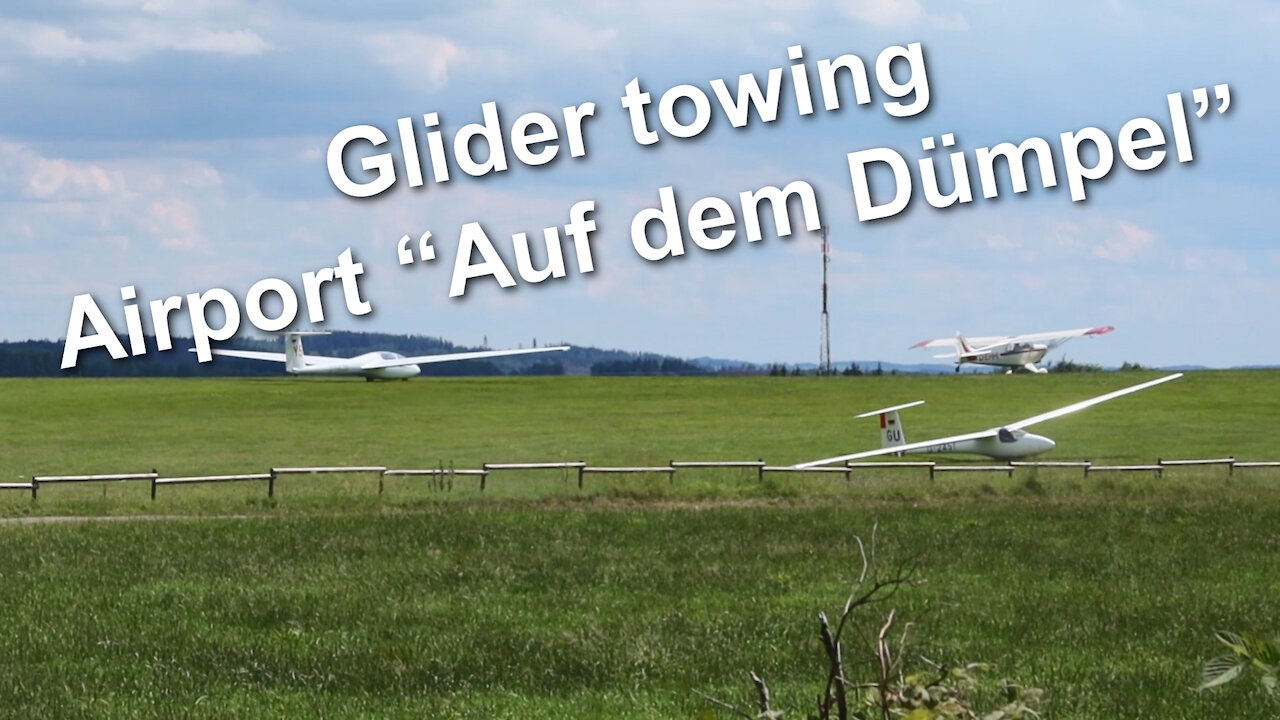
column 382, row 365
column 1009, row 351
column 1006, row 442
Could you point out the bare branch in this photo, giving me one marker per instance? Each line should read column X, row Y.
column 902, row 651
column 721, row 703
column 886, row 662
column 763, row 691
column 835, row 690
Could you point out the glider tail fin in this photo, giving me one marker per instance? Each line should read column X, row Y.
column 892, row 433
column 294, row 359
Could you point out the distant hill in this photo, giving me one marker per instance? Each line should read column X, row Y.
column 42, row 358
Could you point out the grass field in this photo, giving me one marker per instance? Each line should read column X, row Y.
column 246, row 425
column 538, row 600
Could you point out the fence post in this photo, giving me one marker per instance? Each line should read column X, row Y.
column 760, row 470
column 484, row 476
column 35, row 484
column 580, row 468
column 271, row 484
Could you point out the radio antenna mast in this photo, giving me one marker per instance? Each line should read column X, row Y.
column 824, row 354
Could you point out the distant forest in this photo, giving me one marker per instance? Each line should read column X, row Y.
column 43, row 358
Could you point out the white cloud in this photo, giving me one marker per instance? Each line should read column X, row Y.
column 107, row 201
column 1128, row 241
column 1000, row 242
column 901, row 13
column 419, row 59
column 1212, row 262
column 886, row 13
column 127, row 39
column 176, row 223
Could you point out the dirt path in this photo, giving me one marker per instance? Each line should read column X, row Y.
column 51, row 519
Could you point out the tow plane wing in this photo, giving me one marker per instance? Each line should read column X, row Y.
column 980, row 344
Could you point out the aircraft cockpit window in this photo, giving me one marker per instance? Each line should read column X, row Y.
column 390, row 355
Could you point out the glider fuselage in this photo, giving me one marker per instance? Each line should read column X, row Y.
column 1019, row 445
column 356, row 366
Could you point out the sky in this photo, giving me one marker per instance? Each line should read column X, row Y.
column 178, row 146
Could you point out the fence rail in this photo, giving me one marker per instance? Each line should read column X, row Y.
column 38, row 480
column 1051, row 463
column 971, row 468
column 892, row 464
column 20, row 486
column 1209, row 461
column 1157, row 469
column 437, row 471
column 94, row 478
column 322, row 470
column 759, row 465
column 583, row 468
column 623, row 470
column 196, row 479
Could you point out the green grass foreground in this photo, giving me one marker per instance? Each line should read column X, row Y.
column 602, row 608
column 189, row 426
column 538, row 600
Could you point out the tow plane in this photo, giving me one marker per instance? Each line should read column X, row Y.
column 1004, row 442
column 1008, row 351
column 383, row 365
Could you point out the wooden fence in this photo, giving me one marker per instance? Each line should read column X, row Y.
column 581, row 469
